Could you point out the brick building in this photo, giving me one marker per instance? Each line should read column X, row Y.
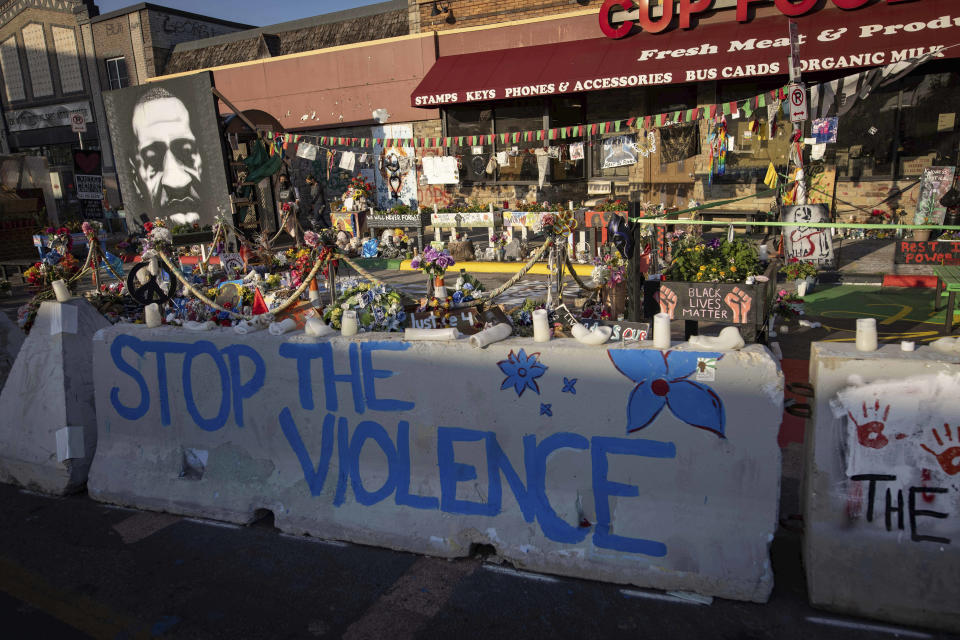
column 486, row 68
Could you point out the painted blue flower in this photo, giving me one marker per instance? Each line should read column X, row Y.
column 522, row 371
column 545, row 410
column 568, row 386
column 661, row 378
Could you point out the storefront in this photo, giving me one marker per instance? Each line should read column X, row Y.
column 641, row 111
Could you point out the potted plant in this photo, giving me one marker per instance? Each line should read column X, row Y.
column 434, row 263
column 609, row 272
column 499, row 241
column 804, row 274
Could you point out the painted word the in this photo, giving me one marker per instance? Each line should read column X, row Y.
column 893, row 506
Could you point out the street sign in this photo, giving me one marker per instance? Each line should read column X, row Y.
column 78, row 123
column 797, row 96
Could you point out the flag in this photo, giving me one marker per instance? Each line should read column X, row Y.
column 771, row 179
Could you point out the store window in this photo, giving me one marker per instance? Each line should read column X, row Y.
column 928, row 133
column 117, row 73
column 515, row 160
column 753, row 142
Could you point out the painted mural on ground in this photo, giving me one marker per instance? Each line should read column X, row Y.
column 569, row 459
column 903, row 455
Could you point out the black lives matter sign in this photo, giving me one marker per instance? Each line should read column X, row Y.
column 709, row 302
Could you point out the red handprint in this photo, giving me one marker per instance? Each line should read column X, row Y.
column 949, row 459
column 870, row 434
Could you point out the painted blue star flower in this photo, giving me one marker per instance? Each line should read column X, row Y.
column 661, row 378
column 545, row 410
column 568, row 386
column 522, row 372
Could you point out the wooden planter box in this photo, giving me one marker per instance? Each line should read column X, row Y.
column 744, row 305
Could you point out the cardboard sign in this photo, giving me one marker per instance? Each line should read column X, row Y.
column 463, row 319
column 494, row 315
column 622, row 330
column 934, row 184
column 725, row 303
column 89, row 187
column 932, row 252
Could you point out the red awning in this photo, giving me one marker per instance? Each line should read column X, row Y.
column 831, row 40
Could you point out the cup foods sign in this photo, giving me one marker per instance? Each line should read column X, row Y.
column 686, row 9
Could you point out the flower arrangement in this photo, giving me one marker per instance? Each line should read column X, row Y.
column 467, row 286
column 879, row 216
column 473, row 207
column 41, row 274
column 432, row 262
column 522, row 318
column 950, row 235
column 609, row 269
column 186, row 228
column 59, row 239
column 529, row 207
column 359, row 188
column 715, row 261
column 798, row 270
column 401, row 210
column 788, row 305
column 157, row 237
column 611, row 205
column 378, row 308
column 499, row 239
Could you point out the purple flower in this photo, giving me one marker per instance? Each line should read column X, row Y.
column 661, row 378
column 714, row 244
column 415, row 263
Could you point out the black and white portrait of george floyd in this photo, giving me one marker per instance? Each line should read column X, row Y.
column 169, row 155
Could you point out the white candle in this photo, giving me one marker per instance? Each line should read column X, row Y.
column 866, row 334
column 908, row 345
column 151, row 315
column 348, row 324
column 661, row 331
column 763, row 253
column 541, row 326
column 154, row 266
column 61, row 290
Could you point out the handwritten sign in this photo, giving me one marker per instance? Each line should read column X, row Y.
column 936, row 181
column 710, row 302
column 463, row 319
column 932, row 252
column 390, row 220
column 464, row 219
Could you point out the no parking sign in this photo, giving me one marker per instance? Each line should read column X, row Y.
column 797, row 95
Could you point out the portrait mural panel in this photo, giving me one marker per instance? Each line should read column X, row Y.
column 169, row 154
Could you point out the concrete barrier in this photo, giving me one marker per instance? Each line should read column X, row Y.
column 612, row 465
column 48, row 427
column 882, row 490
column 11, row 339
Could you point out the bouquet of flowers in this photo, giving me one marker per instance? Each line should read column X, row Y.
column 378, row 308
column 52, row 268
column 788, row 305
column 715, row 261
column 797, row 270
column 522, row 318
column 609, row 269
column 359, row 188
column 499, row 239
column 879, row 216
column 158, row 236
column 433, row 262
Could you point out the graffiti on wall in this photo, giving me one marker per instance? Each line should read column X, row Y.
column 354, row 410
column 396, row 177
column 902, row 454
column 804, row 243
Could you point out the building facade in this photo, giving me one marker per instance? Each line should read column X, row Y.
column 695, row 100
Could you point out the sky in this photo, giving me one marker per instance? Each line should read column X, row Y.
column 258, row 13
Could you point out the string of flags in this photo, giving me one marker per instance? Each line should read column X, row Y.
column 746, row 107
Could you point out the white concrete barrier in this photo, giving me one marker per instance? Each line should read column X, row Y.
column 613, row 465
column 882, row 494
column 48, row 426
column 11, row 339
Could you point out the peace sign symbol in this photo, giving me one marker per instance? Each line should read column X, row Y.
column 151, row 291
